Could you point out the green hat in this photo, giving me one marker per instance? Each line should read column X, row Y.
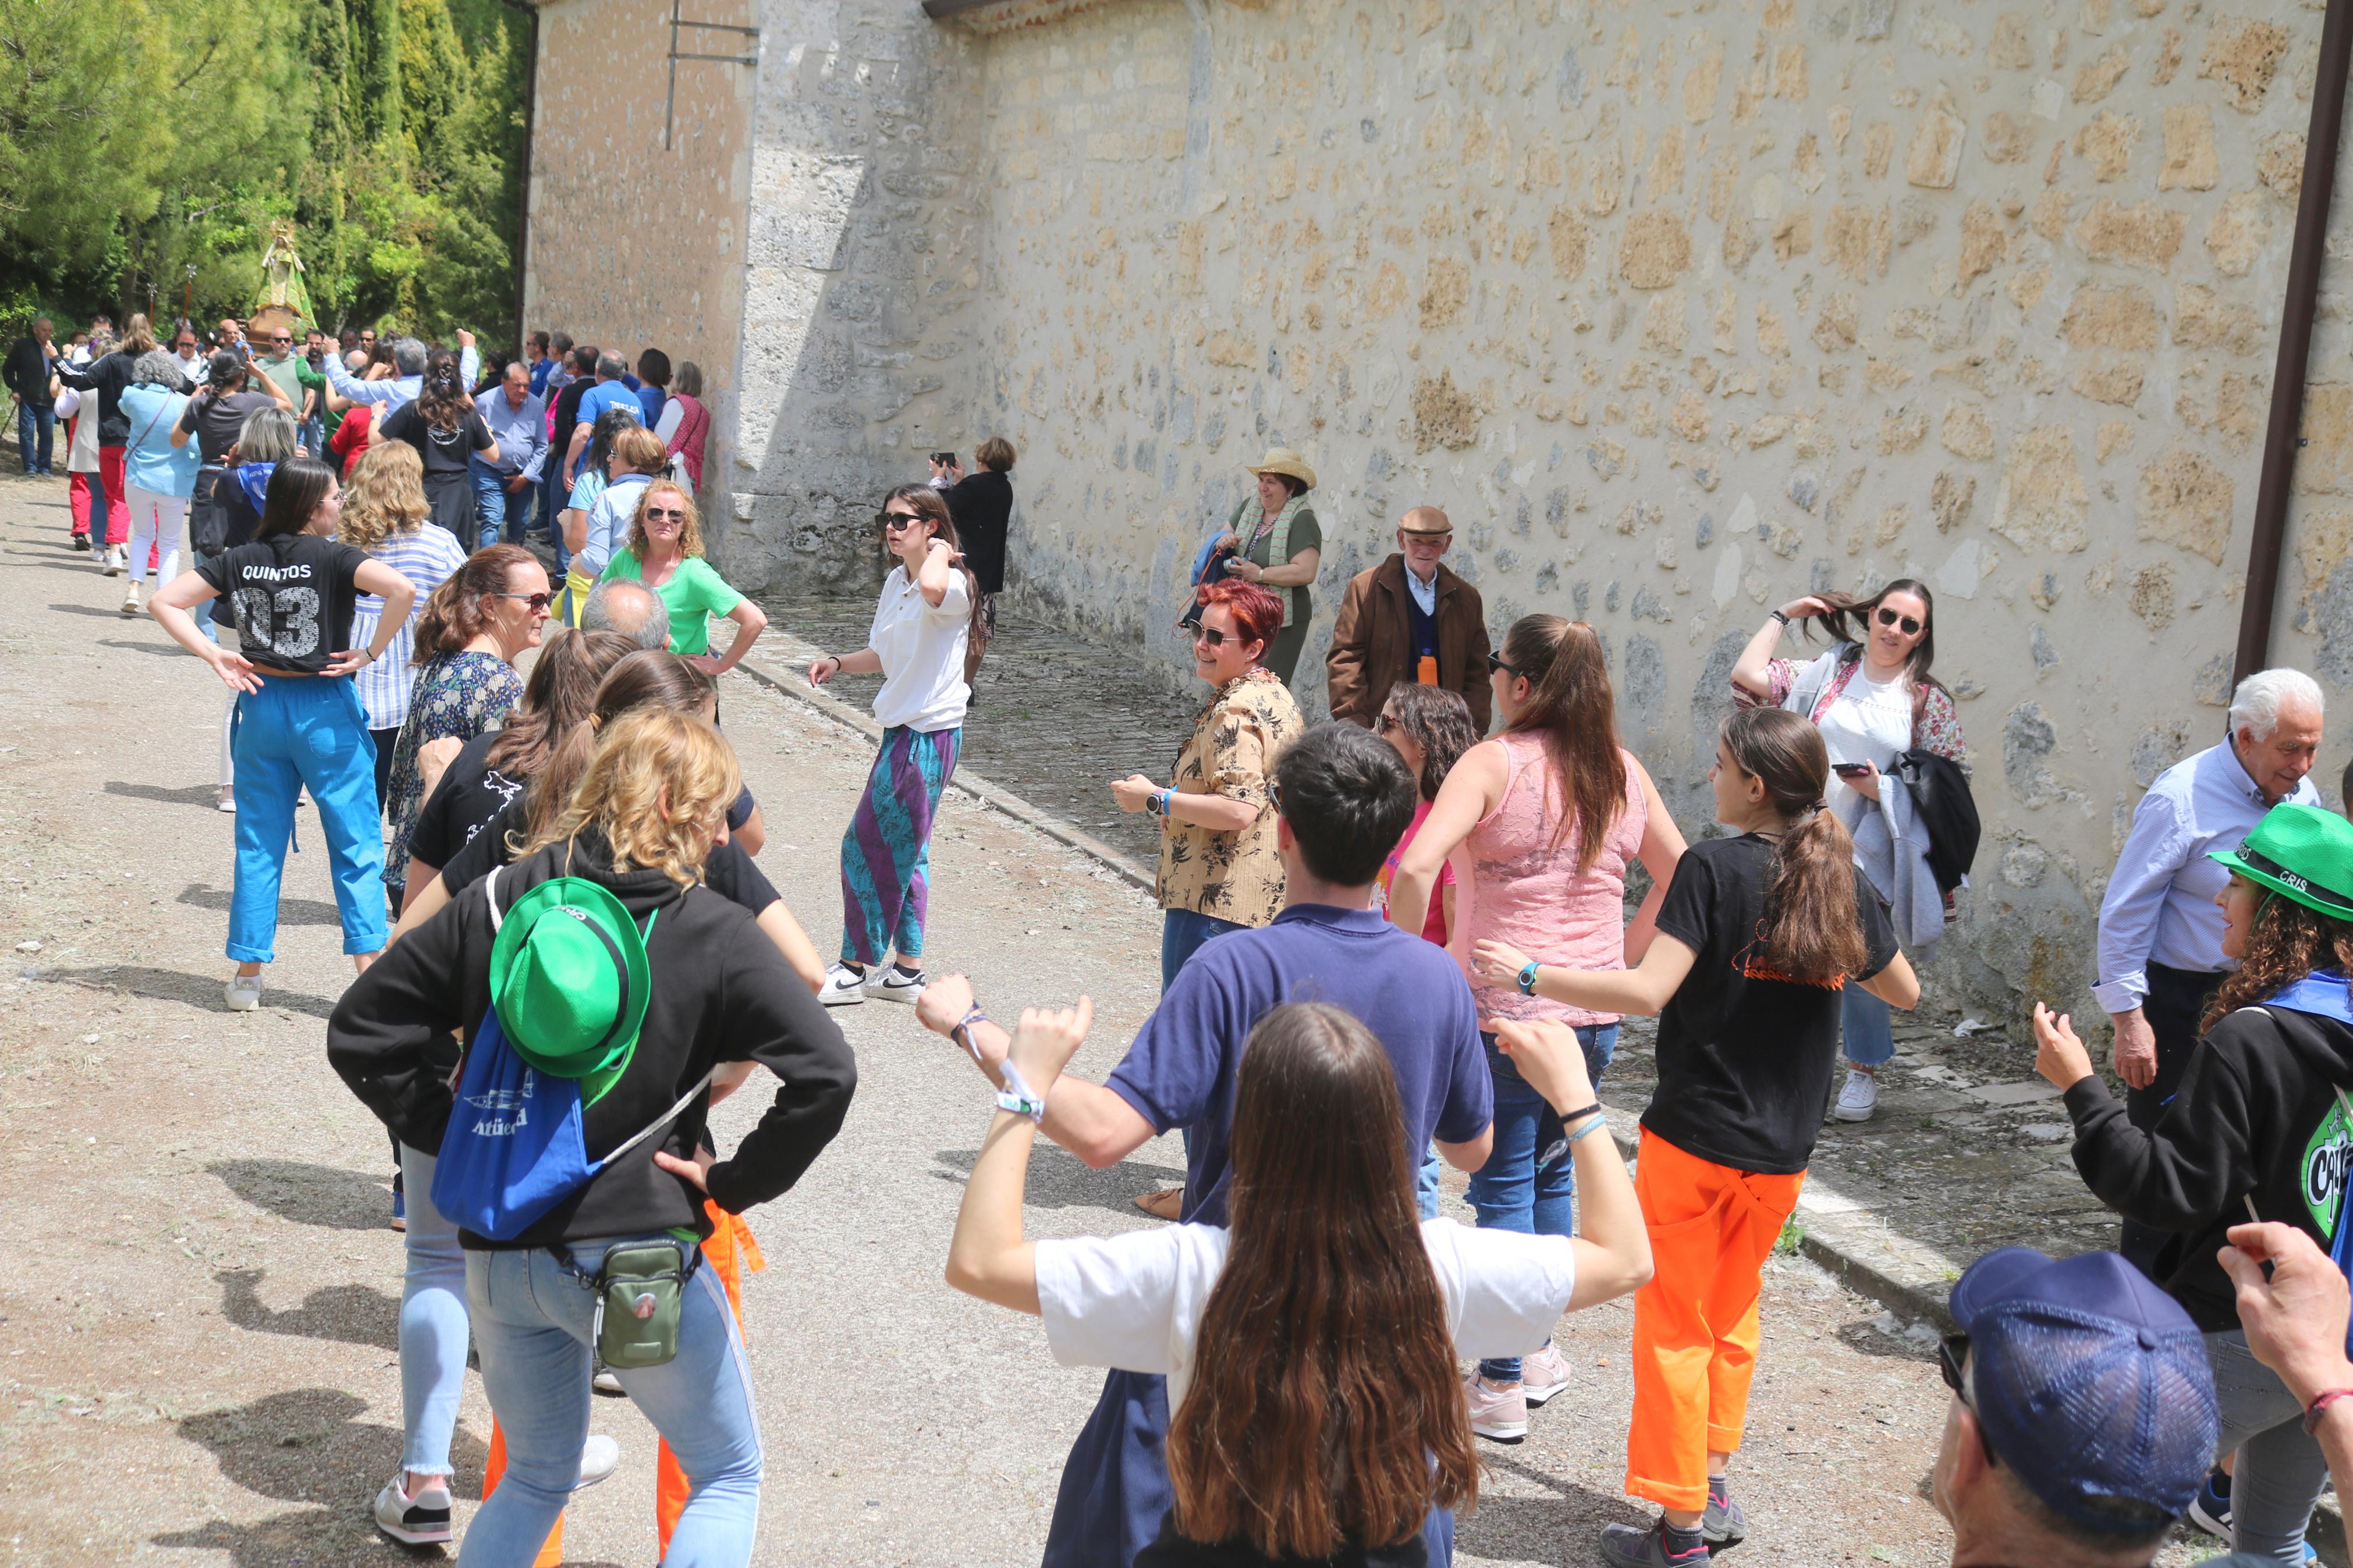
column 569, row 979
column 2301, row 852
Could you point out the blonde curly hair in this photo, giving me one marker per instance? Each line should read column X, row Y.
column 382, row 495
column 690, row 538
column 658, row 789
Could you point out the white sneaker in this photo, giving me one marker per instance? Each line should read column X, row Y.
column 419, row 1521
column 116, row 563
column 1859, row 1097
column 131, row 600
column 599, row 1457
column 228, row 800
column 843, row 988
column 1542, row 1375
column 1498, row 1415
column 243, row 993
column 897, row 987
column 608, row 1381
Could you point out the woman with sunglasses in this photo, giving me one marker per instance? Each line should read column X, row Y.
column 470, row 632
column 1541, row 824
column 664, row 551
column 1874, row 699
column 928, row 619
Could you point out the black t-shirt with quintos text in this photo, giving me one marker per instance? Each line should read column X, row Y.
column 293, row 597
column 1745, row 1055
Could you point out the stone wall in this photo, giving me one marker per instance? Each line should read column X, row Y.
column 635, row 245
column 1680, row 309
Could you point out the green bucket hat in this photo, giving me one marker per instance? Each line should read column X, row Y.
column 2300, row 852
column 569, row 980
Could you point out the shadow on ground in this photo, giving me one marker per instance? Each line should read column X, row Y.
column 350, row 1314
column 162, row 650
column 1060, row 1179
column 311, row 1194
column 202, row 992
column 1560, row 1529
column 204, row 796
column 290, row 911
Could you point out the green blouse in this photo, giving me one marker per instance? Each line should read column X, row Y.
column 694, row 593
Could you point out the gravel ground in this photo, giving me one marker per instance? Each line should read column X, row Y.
column 201, row 1293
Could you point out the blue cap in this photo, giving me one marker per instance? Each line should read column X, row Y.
column 2089, row 1382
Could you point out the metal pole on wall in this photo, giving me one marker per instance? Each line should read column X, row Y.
column 2306, row 255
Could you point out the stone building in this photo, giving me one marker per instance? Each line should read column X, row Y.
column 1679, row 308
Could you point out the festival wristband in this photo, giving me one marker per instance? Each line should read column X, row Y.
column 1016, row 1096
column 1528, row 979
column 1596, row 1125
column 2319, row 1406
column 962, row 1032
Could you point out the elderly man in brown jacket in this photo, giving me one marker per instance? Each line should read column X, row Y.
column 1410, row 619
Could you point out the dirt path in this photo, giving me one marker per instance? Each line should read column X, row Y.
column 199, row 1292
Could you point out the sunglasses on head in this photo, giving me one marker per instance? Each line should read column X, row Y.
column 537, row 601
column 1888, row 617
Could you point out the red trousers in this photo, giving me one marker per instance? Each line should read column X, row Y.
column 81, row 492
column 118, row 512
column 1695, row 1332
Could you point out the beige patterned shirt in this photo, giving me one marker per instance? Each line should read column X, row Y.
column 1232, row 877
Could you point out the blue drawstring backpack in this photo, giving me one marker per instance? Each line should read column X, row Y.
column 2324, row 995
column 515, row 1147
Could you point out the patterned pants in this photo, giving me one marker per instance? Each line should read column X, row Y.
column 886, row 856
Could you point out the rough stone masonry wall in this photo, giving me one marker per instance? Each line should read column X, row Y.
column 1681, row 309
column 635, row 245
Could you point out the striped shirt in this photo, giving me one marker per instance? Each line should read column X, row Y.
column 427, row 556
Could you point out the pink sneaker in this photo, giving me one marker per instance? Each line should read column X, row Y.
column 1542, row 1375
column 1498, row 1415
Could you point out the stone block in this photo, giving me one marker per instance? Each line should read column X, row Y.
column 2325, row 467
column 1967, row 432
column 2242, row 53
column 2279, row 164
column 2203, row 319
column 1569, row 237
column 1901, row 430
column 1443, row 415
column 2095, row 78
column 1985, row 243
column 2150, row 595
column 1836, row 325
column 1855, row 239
column 2042, row 503
column 2185, row 501
column 2106, row 143
column 2237, row 233
column 1934, row 156
column 2007, row 138
column 2011, row 48
column 2149, row 235
column 1445, row 289
column 2119, row 318
column 2110, row 381
column 2190, row 163
column 1654, row 250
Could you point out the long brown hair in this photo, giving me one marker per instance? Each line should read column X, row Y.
column 2289, row 941
column 643, row 678
column 454, row 614
column 559, row 694
column 1573, row 710
column 1323, row 1406
column 929, row 506
column 441, row 391
column 1849, row 620
column 1439, row 721
column 659, row 790
column 1811, row 932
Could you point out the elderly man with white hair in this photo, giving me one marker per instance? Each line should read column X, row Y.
column 2161, row 928
column 629, row 608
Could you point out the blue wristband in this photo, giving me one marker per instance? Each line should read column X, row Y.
column 1598, row 1122
column 1528, row 979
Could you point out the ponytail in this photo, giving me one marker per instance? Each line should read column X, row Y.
column 1812, row 932
column 1574, row 713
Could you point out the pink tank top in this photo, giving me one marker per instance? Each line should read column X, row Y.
column 1514, row 885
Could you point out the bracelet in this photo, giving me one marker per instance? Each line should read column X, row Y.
column 1017, row 1096
column 962, row 1032
column 1528, row 979
column 1780, row 617
column 1596, row 1125
column 2319, row 1405
column 1577, row 1116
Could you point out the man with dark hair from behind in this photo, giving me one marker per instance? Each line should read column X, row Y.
column 1344, row 799
column 2082, row 1415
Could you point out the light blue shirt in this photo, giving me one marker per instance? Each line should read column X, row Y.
column 609, row 523
column 395, row 391
column 521, row 433
column 2160, row 906
column 155, row 465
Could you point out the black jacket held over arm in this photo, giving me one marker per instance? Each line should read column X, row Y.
column 722, row 992
column 2248, row 1121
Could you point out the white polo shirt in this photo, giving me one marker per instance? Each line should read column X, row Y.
column 922, row 647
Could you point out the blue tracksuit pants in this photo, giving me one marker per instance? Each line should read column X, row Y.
column 292, row 734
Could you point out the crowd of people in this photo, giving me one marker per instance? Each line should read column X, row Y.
column 1393, row 942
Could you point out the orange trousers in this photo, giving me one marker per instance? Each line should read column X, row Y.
column 731, row 1253
column 1711, row 1228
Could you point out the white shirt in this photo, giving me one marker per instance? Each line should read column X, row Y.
column 608, row 524
column 1870, row 721
column 923, row 647
column 1135, row 1301
column 2160, row 906
column 1424, row 593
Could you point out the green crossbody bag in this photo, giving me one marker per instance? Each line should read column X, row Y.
column 639, row 1290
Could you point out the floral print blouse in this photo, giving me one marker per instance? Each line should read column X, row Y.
column 458, row 696
column 1239, row 876
column 1936, row 725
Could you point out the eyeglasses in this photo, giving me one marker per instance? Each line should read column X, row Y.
column 1212, row 635
column 892, row 521
column 1888, row 617
column 1425, row 536
column 1952, row 1359
column 537, row 601
column 655, row 513
column 1495, row 662
column 280, row 338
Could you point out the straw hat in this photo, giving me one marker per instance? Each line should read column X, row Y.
column 1283, row 460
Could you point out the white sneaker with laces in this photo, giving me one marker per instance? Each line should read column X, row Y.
column 131, row 600
column 419, row 1521
column 1860, row 1097
column 116, row 563
column 599, row 1457
column 843, row 988
column 243, row 993
column 608, row 1381
column 896, row 987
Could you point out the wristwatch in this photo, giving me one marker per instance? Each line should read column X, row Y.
column 1528, row 979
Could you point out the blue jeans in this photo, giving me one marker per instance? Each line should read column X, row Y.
column 497, row 513
column 1869, row 1025
column 36, row 426
column 2281, row 1469
column 1425, row 1182
column 313, row 437
column 432, row 1324
column 532, row 1320
column 1512, row 1191
column 1182, row 934
column 292, row 734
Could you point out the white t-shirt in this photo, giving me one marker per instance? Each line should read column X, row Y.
column 1135, row 1301
column 1870, row 721
column 922, row 648
column 608, row 524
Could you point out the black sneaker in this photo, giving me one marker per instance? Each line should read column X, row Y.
column 2210, row 1511
column 1640, row 1546
column 81, row 541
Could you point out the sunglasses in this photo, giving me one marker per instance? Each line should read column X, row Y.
column 537, row 601
column 1888, row 617
column 1213, row 637
column 281, row 338
column 1495, row 662
column 892, row 521
column 674, row 515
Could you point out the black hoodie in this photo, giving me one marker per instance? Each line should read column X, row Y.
column 2253, row 1117
column 106, row 377
column 721, row 991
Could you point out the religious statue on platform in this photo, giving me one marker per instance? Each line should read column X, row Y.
column 282, row 300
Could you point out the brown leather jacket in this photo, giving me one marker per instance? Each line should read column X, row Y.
column 1372, row 643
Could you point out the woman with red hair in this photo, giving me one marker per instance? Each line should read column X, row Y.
column 1219, row 868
